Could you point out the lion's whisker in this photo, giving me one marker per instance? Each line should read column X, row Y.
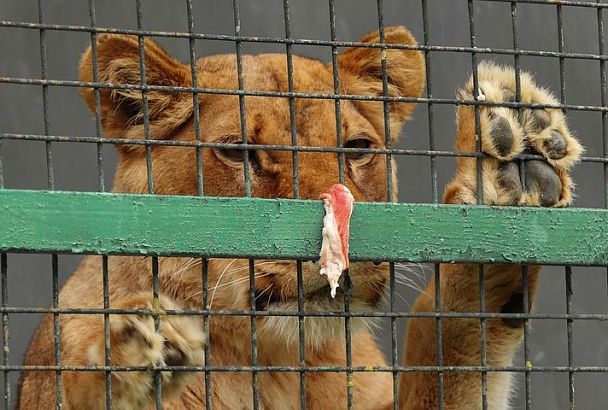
column 192, row 262
column 403, row 280
column 220, row 279
column 387, row 296
column 240, row 280
column 231, row 283
column 264, row 291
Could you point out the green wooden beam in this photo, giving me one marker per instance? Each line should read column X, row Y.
column 78, row 222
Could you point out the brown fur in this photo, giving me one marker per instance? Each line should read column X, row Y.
column 134, row 340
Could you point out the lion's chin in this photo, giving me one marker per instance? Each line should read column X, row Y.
column 318, row 330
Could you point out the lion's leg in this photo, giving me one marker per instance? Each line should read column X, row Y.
column 134, row 341
column 461, row 337
column 505, row 133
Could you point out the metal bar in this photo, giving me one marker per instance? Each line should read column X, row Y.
column 429, row 94
column 1, row 164
column 246, row 313
column 254, row 338
column 241, row 85
column 341, row 164
column 45, row 99
column 251, row 147
column 158, row 386
column 604, row 102
column 390, row 197
column 348, row 341
column 296, row 41
column 567, row 269
column 106, row 329
column 317, row 369
column 439, row 335
column 385, row 106
column 150, row 182
column 479, row 169
column 392, row 286
column 96, row 100
column 521, row 164
column 552, row 3
column 247, row 179
column 226, row 227
column 336, row 83
column 517, row 64
column 285, row 94
column 5, row 330
column 195, row 100
column 301, row 334
column 292, row 103
column 569, row 322
column 474, row 73
column 604, row 99
column 144, row 97
column 296, row 194
column 57, row 334
column 562, row 66
column 527, row 362
column 480, row 194
column 522, row 173
column 206, row 326
column 483, row 340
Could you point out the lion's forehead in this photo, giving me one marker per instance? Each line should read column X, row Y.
column 268, row 118
column 265, row 73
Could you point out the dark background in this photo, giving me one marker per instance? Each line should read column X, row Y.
column 75, row 165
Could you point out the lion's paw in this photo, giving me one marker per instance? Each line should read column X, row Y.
column 134, row 341
column 507, row 132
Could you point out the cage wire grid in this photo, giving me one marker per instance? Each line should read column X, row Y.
column 341, row 152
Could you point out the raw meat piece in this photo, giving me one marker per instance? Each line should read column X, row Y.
column 339, row 203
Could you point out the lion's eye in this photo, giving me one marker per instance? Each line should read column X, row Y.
column 232, row 154
column 361, row 143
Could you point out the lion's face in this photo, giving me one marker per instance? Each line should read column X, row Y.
column 267, row 122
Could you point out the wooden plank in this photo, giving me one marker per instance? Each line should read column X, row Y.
column 78, row 222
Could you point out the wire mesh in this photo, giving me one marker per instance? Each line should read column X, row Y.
column 244, row 92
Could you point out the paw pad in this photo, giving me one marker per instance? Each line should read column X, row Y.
column 502, row 136
column 542, row 180
column 555, row 146
column 507, row 132
column 540, row 120
column 509, row 181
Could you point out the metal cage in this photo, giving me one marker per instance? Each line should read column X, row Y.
column 58, row 222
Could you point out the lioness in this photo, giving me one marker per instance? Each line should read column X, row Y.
column 505, row 133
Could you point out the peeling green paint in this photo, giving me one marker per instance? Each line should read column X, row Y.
column 78, row 222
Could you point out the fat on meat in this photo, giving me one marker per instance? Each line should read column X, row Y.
column 339, row 203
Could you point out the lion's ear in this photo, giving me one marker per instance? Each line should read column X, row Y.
column 360, row 72
column 122, row 110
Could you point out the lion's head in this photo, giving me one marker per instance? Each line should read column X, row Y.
column 271, row 172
